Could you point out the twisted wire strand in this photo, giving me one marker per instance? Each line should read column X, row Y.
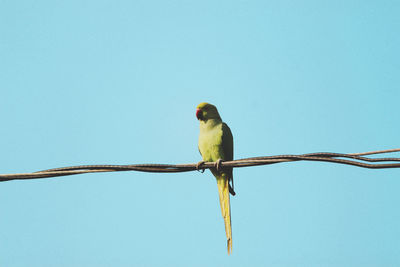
column 354, row 159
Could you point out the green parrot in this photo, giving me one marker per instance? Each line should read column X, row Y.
column 215, row 145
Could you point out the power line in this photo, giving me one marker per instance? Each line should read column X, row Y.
column 354, row 159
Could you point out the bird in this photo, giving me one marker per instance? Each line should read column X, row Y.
column 216, row 145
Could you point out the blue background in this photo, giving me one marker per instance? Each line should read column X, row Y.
column 117, row 82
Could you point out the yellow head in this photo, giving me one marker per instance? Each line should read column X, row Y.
column 206, row 112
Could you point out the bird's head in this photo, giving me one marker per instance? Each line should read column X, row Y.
column 206, row 112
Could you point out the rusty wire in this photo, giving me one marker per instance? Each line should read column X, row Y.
column 354, row 159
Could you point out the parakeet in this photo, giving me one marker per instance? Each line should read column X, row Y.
column 216, row 144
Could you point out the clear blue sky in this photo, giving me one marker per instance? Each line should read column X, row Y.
column 117, row 82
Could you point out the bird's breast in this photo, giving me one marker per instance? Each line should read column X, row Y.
column 210, row 143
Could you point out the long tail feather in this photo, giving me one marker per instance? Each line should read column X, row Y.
column 223, row 189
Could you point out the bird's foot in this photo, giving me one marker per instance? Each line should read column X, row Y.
column 198, row 166
column 218, row 164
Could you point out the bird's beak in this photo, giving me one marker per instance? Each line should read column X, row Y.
column 199, row 114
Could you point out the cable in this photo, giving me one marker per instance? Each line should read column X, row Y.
column 354, row 159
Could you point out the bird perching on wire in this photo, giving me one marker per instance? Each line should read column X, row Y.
column 216, row 145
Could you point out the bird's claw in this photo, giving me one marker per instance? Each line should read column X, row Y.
column 218, row 165
column 198, row 165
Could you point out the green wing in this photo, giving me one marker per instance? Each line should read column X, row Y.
column 227, row 147
column 227, row 142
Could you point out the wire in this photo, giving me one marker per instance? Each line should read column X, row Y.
column 354, row 159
